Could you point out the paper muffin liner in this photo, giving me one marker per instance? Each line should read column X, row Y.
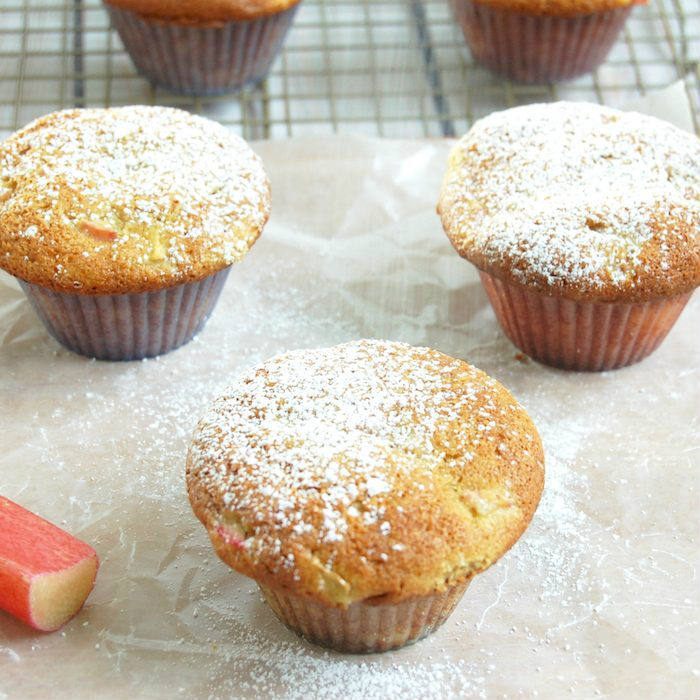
column 530, row 48
column 581, row 335
column 202, row 60
column 127, row 326
column 364, row 627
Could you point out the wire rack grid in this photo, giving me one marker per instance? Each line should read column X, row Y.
column 380, row 67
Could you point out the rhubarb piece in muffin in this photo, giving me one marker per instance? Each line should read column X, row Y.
column 540, row 41
column 202, row 47
column 121, row 224
column 363, row 486
column 584, row 223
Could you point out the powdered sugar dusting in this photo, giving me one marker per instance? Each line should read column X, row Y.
column 138, row 184
column 319, row 437
column 310, row 674
column 574, row 194
column 578, row 608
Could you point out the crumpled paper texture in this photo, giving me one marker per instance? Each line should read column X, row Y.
column 599, row 598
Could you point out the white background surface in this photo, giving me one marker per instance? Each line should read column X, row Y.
column 600, row 597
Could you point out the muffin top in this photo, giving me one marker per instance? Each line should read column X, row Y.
column 560, row 8
column 577, row 200
column 203, row 11
column 131, row 199
column 370, row 469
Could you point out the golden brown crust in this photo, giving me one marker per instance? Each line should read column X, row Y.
column 125, row 200
column 560, row 8
column 579, row 201
column 371, row 469
column 203, row 11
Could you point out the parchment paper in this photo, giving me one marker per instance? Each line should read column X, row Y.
column 599, row 598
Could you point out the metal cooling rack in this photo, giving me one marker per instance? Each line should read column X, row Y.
column 390, row 68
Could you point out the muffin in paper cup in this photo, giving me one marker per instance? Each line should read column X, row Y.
column 584, row 223
column 122, row 224
column 538, row 41
column 202, row 48
column 364, row 626
column 127, row 326
column 363, row 486
column 580, row 335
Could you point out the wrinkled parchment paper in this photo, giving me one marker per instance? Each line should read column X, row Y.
column 598, row 599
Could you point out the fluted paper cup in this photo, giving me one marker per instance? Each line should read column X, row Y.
column 581, row 335
column 530, row 48
column 202, row 60
column 127, row 326
column 364, row 627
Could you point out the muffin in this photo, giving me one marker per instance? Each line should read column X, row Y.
column 584, row 223
column 363, row 486
column 121, row 224
column 202, row 48
column 540, row 41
